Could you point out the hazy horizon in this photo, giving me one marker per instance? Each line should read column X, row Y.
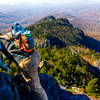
column 54, row 2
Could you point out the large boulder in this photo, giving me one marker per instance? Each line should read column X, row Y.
column 16, row 89
column 54, row 92
column 7, row 89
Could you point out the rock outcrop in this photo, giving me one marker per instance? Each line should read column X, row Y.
column 8, row 90
column 46, row 43
column 15, row 89
column 97, row 64
column 54, row 92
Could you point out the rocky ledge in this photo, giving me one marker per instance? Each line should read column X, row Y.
column 15, row 89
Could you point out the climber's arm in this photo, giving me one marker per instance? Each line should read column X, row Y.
column 7, row 54
column 5, row 36
column 9, row 36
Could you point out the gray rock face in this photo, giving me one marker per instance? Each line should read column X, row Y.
column 7, row 92
column 16, row 90
column 46, row 43
column 54, row 92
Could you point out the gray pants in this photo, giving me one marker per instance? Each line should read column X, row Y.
column 29, row 67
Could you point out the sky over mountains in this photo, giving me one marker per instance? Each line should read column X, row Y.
column 47, row 1
column 83, row 14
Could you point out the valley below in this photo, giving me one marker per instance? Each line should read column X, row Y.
column 68, row 40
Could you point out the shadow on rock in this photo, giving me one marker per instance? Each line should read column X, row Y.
column 93, row 44
column 54, row 92
column 15, row 89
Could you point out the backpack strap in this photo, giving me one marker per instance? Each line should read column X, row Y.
column 20, row 43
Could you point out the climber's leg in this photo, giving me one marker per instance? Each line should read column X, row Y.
column 29, row 66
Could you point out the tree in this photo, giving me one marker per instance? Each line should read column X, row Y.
column 93, row 87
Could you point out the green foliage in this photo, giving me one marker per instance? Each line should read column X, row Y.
column 58, row 28
column 67, row 68
column 97, row 55
column 93, row 87
column 13, row 68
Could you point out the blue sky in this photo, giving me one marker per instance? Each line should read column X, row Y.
column 46, row 1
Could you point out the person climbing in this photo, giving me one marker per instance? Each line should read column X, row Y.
column 20, row 44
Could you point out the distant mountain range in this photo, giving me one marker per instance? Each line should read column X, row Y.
column 7, row 19
column 61, row 33
column 84, row 16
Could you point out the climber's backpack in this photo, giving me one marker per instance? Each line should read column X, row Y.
column 24, row 41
